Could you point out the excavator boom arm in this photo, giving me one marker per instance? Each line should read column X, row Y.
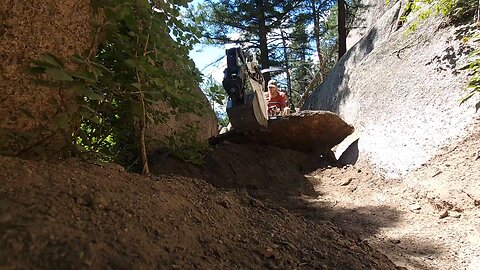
column 246, row 111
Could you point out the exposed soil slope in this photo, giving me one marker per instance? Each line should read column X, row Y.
column 270, row 208
column 427, row 220
column 76, row 215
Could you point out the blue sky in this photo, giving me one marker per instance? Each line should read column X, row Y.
column 204, row 55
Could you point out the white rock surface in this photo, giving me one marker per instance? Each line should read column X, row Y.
column 401, row 92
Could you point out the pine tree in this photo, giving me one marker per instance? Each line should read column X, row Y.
column 302, row 68
column 253, row 20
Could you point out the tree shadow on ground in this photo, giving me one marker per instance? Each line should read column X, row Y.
column 278, row 177
column 366, row 222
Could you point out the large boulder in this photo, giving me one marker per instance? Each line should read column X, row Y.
column 312, row 132
column 28, row 110
column 365, row 17
column 206, row 126
column 401, row 91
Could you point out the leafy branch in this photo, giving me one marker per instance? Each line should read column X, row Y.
column 138, row 61
column 474, row 73
column 453, row 10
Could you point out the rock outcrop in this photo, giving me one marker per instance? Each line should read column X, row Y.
column 29, row 29
column 28, row 110
column 205, row 126
column 401, row 91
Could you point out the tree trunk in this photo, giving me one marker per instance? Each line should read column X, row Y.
column 342, row 31
column 262, row 34
column 316, row 33
column 287, row 67
column 143, row 146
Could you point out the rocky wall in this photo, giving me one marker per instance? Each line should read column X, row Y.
column 28, row 110
column 207, row 126
column 401, row 91
column 27, row 30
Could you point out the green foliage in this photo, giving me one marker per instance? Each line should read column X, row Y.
column 217, row 97
column 138, row 60
column 214, row 92
column 302, row 68
column 223, row 120
column 453, row 10
column 330, row 37
column 474, row 72
column 184, row 145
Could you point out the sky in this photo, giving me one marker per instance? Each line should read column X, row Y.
column 205, row 55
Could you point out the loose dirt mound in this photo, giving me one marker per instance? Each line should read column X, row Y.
column 428, row 220
column 267, row 173
column 258, row 167
column 76, row 215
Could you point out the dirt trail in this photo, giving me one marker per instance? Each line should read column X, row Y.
column 74, row 215
column 411, row 229
column 271, row 208
column 440, row 205
column 428, row 220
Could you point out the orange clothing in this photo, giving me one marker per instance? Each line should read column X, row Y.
column 279, row 100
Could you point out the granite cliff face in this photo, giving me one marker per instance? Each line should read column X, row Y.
column 400, row 91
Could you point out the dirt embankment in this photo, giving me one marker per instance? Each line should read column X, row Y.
column 426, row 220
column 267, row 208
column 77, row 215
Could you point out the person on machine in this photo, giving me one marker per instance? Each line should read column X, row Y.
column 276, row 100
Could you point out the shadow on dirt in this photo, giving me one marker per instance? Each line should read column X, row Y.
column 367, row 222
column 264, row 171
column 278, row 177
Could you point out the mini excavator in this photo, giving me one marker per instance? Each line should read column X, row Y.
column 315, row 132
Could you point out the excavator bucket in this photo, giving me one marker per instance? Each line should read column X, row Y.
column 246, row 109
column 248, row 116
